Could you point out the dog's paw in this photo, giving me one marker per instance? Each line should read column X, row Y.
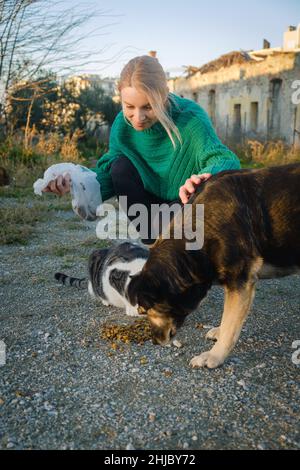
column 207, row 359
column 213, row 334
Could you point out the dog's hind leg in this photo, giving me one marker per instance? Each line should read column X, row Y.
column 236, row 307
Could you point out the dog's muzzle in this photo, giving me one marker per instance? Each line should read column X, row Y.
column 162, row 336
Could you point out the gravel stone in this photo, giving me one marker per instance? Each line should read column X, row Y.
column 63, row 387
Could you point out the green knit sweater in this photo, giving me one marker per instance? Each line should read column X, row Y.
column 162, row 168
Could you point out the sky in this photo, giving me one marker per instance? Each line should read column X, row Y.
column 186, row 32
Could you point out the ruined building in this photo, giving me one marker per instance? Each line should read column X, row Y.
column 250, row 95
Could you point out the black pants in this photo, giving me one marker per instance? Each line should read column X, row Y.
column 127, row 182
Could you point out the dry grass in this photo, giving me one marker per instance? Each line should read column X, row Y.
column 26, row 163
column 19, row 218
column 23, row 169
column 66, row 147
column 48, row 144
column 17, row 223
column 255, row 153
column 69, row 149
column 59, row 251
column 93, row 242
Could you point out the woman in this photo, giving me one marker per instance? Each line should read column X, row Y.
column 161, row 146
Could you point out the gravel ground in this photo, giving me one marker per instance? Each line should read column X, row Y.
column 63, row 387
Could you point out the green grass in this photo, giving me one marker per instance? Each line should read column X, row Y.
column 20, row 208
column 6, row 280
column 247, row 164
column 72, row 225
column 66, row 266
column 61, row 251
column 15, row 192
column 17, row 224
column 95, row 243
column 55, row 250
column 57, row 203
column 19, row 217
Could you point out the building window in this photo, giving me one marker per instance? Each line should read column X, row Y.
column 254, row 116
column 212, row 106
column 275, row 108
column 237, row 121
column 195, row 96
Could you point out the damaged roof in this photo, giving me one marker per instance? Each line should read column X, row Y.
column 238, row 57
column 226, row 60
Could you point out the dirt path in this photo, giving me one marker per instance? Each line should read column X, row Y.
column 64, row 387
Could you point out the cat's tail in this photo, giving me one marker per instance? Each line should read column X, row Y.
column 71, row 281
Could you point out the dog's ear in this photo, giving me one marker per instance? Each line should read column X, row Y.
column 143, row 289
column 192, row 296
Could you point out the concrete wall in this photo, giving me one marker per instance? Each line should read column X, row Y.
column 267, row 82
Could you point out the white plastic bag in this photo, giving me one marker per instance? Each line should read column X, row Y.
column 85, row 189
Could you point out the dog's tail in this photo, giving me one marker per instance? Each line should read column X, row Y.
column 71, row 281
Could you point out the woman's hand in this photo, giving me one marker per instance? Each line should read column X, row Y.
column 190, row 185
column 59, row 186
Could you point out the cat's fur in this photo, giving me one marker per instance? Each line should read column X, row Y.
column 109, row 274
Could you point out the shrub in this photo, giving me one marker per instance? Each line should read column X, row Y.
column 255, row 153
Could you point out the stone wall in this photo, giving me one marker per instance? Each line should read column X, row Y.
column 252, row 100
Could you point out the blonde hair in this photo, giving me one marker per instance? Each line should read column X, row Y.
column 146, row 74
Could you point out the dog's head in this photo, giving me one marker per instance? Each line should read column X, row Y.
column 166, row 293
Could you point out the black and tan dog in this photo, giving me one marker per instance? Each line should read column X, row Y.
column 252, row 231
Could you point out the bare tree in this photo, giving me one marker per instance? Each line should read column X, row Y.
column 36, row 89
column 37, row 34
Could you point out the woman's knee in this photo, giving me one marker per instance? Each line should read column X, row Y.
column 121, row 168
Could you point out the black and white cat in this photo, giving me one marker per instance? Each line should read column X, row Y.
column 109, row 274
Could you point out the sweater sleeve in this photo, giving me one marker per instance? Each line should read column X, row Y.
column 104, row 163
column 212, row 155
